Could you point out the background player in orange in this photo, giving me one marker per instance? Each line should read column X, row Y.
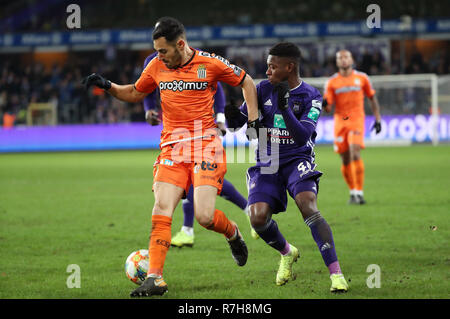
column 187, row 80
column 346, row 90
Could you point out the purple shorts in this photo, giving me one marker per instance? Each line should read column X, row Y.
column 296, row 176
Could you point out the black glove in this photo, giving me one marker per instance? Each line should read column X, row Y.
column 253, row 129
column 97, row 80
column 231, row 112
column 282, row 90
column 377, row 127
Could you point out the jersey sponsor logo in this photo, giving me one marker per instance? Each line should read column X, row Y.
column 183, row 86
column 201, row 71
column 278, row 121
column 279, row 136
column 314, row 114
column 346, row 89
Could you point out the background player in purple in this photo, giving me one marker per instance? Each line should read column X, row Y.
column 289, row 111
column 185, row 237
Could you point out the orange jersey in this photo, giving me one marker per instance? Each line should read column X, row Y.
column 347, row 92
column 187, row 93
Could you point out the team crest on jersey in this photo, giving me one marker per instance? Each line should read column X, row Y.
column 201, row 71
column 357, row 81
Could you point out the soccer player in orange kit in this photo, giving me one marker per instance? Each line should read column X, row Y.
column 346, row 90
column 191, row 151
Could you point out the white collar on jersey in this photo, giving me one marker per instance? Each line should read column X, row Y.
column 301, row 82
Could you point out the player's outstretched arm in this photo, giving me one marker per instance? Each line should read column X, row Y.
column 126, row 93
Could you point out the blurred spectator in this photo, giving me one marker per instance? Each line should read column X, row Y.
column 45, row 15
column 61, row 84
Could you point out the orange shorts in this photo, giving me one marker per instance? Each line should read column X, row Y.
column 199, row 162
column 346, row 133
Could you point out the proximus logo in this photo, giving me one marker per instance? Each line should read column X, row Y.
column 181, row 86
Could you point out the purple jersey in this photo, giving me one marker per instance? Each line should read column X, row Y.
column 305, row 102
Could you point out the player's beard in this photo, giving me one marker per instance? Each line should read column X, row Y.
column 176, row 59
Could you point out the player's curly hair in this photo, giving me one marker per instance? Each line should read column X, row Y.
column 287, row 50
column 170, row 28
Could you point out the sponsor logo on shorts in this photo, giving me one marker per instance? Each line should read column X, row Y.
column 207, row 166
column 167, row 162
column 183, row 86
column 212, row 178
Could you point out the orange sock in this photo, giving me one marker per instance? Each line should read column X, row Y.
column 349, row 176
column 160, row 238
column 221, row 224
column 359, row 172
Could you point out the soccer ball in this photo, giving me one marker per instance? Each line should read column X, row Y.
column 136, row 266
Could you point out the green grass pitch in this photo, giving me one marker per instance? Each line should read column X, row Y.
column 93, row 209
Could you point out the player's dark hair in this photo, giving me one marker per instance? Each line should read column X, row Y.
column 287, row 50
column 169, row 28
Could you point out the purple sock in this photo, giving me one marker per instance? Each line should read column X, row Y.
column 286, row 249
column 272, row 236
column 334, row 268
column 188, row 209
column 230, row 193
column 323, row 237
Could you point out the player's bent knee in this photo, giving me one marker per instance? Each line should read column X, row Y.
column 259, row 214
column 205, row 219
column 162, row 208
column 307, row 203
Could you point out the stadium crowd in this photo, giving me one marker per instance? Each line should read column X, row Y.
column 61, row 85
column 42, row 15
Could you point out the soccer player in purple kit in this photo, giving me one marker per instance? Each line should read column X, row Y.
column 289, row 110
column 185, row 237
